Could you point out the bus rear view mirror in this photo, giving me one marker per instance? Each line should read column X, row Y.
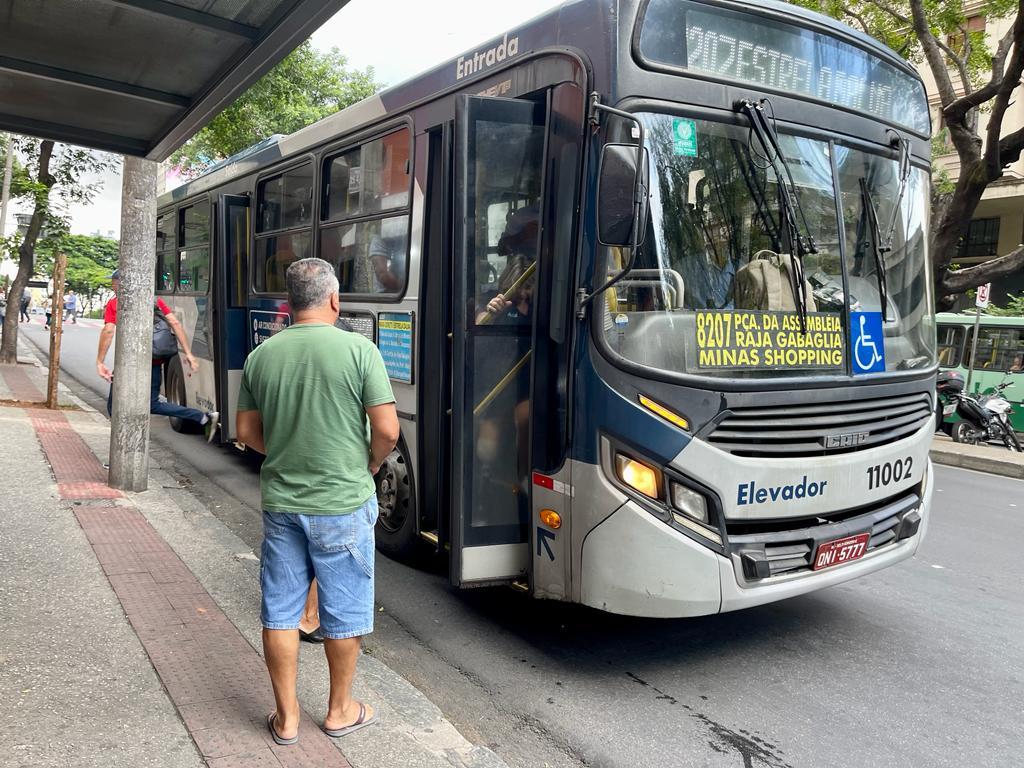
column 616, row 194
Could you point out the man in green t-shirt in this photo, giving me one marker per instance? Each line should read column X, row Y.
column 317, row 401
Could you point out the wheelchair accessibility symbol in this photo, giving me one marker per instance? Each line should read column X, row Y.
column 867, row 341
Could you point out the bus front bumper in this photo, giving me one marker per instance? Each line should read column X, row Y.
column 634, row 564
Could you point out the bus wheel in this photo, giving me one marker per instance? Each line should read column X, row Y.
column 396, row 523
column 174, row 388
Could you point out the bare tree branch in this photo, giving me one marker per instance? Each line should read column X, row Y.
column 884, row 6
column 959, row 61
column 932, row 52
column 1010, row 82
column 960, row 280
column 858, row 18
column 1010, row 147
column 960, row 107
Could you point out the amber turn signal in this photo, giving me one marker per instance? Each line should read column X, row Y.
column 551, row 519
column 639, row 477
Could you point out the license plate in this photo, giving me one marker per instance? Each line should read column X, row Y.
column 948, row 410
column 840, row 551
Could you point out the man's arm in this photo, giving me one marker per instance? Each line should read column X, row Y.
column 384, row 431
column 179, row 332
column 106, row 336
column 249, row 430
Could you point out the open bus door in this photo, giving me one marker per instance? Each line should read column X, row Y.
column 499, row 169
column 230, row 280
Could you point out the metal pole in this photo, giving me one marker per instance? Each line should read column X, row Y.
column 5, row 192
column 56, row 328
column 133, row 355
column 974, row 351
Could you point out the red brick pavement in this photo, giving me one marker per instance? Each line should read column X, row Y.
column 21, row 385
column 212, row 675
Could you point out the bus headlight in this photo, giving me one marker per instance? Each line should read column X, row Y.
column 689, row 502
column 638, row 476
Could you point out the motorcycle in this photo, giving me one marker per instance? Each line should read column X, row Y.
column 982, row 419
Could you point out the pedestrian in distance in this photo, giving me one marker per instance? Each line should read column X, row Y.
column 164, row 321
column 48, row 309
column 307, row 395
column 71, row 307
column 26, row 302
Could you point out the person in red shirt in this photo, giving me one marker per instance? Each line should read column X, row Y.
column 208, row 419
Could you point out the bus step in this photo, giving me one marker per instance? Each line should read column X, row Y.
column 520, row 586
column 430, row 536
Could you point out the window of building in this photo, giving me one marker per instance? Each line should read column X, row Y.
column 956, row 40
column 194, row 253
column 166, row 259
column 365, row 223
column 951, row 345
column 283, row 226
column 982, row 239
column 1000, row 349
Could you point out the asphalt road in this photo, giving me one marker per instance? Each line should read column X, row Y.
column 919, row 665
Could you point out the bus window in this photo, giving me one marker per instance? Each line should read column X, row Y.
column 368, row 179
column 283, row 223
column 165, row 253
column 369, row 256
column 194, row 256
column 999, row 348
column 951, row 345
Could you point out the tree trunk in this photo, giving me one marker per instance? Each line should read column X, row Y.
column 26, row 258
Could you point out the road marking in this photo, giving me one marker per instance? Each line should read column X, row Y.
column 939, row 567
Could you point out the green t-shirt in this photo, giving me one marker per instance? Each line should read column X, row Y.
column 311, row 384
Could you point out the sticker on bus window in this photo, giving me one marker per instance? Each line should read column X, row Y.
column 768, row 340
column 395, row 339
column 684, row 137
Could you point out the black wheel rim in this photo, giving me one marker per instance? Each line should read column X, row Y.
column 392, row 514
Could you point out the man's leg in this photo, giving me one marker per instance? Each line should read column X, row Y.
column 284, row 578
column 342, row 709
column 310, row 613
column 170, row 409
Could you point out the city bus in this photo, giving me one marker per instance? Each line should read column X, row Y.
column 998, row 357
column 651, row 283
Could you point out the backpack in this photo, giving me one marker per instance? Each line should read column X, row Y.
column 164, row 343
column 765, row 283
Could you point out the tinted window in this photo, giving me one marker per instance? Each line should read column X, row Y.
column 165, row 278
column 951, row 345
column 165, row 232
column 286, row 201
column 368, row 179
column 194, row 270
column 369, row 256
column 999, row 349
column 195, row 225
column 274, row 254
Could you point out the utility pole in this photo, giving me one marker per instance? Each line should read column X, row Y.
column 133, row 355
column 56, row 328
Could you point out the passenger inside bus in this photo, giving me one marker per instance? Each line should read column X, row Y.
column 278, row 263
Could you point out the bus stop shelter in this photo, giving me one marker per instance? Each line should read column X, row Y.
column 138, row 78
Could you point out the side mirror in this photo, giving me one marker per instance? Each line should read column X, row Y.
column 615, row 195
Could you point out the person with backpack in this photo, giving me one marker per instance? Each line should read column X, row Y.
column 168, row 335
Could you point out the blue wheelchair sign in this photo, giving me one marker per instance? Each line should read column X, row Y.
column 867, row 342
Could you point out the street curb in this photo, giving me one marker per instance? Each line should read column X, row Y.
column 985, row 460
column 28, row 348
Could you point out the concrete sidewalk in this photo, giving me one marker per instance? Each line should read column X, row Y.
column 129, row 623
column 994, row 459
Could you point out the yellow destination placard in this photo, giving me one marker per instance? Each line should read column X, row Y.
column 769, row 340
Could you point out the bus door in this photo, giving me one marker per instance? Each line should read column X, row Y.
column 499, row 169
column 231, row 269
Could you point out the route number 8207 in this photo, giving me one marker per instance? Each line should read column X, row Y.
column 882, row 475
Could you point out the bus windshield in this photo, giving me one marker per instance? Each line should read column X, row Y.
column 714, row 291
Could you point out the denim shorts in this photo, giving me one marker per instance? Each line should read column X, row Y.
column 338, row 550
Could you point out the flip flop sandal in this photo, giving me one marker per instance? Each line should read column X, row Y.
column 360, row 722
column 273, row 732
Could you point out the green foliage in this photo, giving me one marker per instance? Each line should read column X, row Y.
column 91, row 259
column 1014, row 307
column 304, row 87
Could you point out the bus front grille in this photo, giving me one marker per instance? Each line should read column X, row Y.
column 762, row 555
column 821, row 429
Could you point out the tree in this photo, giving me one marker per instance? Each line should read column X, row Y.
column 975, row 87
column 54, row 180
column 90, row 260
column 304, row 87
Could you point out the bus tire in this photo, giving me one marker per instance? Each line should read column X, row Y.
column 174, row 389
column 396, row 501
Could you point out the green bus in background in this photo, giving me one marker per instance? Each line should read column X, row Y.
column 1000, row 353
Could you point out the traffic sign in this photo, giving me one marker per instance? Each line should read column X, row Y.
column 981, row 300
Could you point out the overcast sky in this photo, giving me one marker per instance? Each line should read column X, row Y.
column 398, row 38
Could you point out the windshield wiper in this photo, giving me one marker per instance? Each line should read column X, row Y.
column 883, row 245
column 791, row 212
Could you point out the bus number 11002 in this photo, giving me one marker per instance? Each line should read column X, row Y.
column 882, row 475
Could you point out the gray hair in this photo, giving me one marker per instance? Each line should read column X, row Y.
column 310, row 283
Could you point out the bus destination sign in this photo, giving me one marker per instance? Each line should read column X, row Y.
column 741, row 339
